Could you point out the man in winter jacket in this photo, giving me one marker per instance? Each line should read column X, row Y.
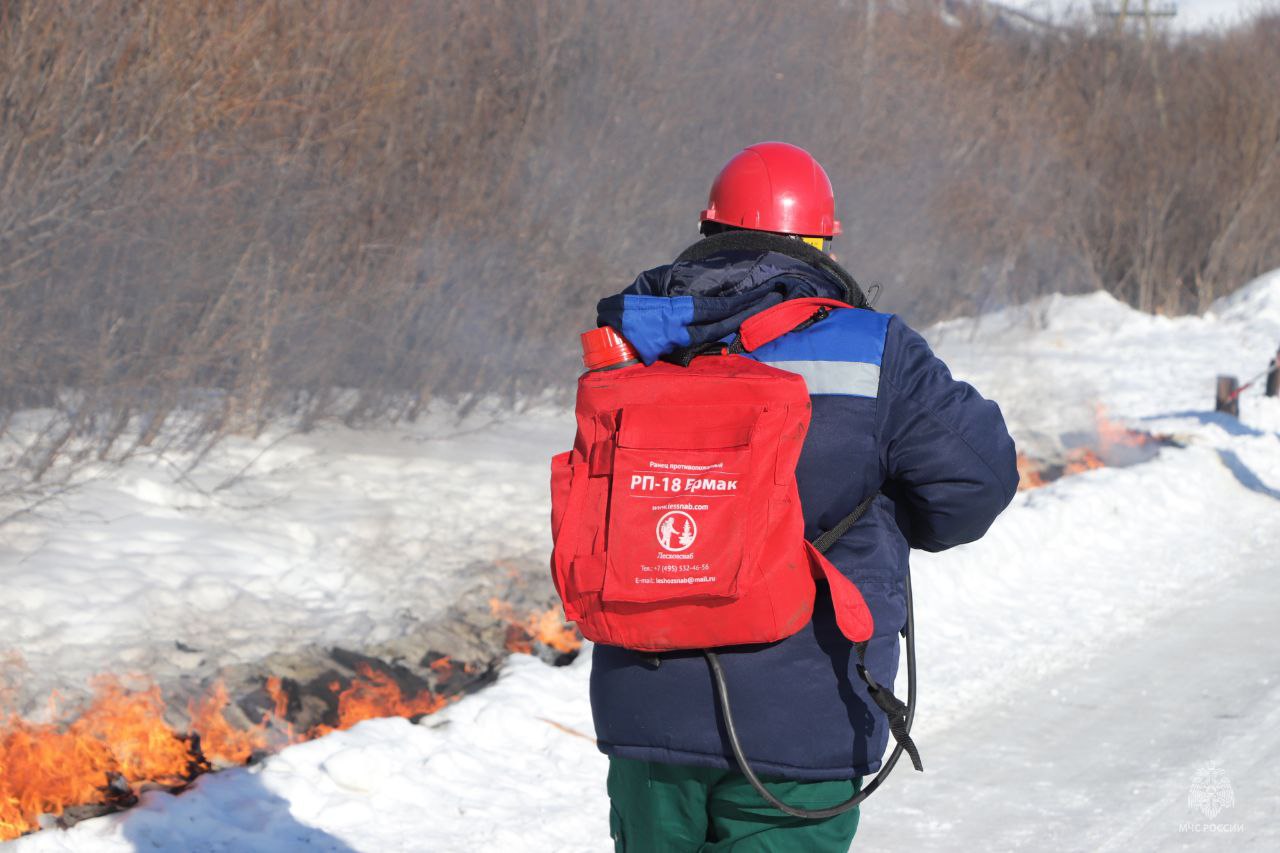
column 887, row 419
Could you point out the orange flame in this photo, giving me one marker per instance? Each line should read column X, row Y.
column 444, row 669
column 548, row 628
column 1113, row 439
column 47, row 767
column 1112, row 434
column 220, row 741
column 1081, row 460
column 375, row 694
column 1028, row 473
column 442, row 666
column 279, row 699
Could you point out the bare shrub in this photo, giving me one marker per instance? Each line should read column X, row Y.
column 258, row 210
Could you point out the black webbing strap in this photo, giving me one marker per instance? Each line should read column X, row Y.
column 824, row 542
column 684, row 356
column 895, row 710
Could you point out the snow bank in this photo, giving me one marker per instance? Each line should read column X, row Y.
column 1258, row 302
column 1049, row 363
column 335, row 537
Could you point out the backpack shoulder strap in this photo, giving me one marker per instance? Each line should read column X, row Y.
column 792, row 315
column 824, row 542
column 759, row 329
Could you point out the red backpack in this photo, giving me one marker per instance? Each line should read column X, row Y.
column 676, row 517
column 677, row 523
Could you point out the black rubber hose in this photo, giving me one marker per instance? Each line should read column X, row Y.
column 722, row 690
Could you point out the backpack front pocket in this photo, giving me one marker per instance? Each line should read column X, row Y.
column 679, row 522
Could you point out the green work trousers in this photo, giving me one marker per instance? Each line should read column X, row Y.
column 669, row 808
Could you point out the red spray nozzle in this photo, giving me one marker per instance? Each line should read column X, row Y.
column 603, row 348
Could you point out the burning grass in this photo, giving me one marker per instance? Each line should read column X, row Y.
column 547, row 629
column 1109, row 444
column 122, row 743
column 95, row 759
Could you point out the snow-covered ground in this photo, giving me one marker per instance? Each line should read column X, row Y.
column 336, row 537
column 1078, row 666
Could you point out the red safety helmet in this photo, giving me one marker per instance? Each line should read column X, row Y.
column 773, row 186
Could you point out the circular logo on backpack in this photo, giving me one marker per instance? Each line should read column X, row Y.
column 676, row 531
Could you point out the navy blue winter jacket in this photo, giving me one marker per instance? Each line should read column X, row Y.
column 888, row 416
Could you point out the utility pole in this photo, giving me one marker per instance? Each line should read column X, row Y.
column 1122, row 12
column 1151, row 57
column 1150, row 11
column 868, row 57
column 1273, row 377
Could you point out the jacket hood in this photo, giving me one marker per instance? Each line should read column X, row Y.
column 692, row 302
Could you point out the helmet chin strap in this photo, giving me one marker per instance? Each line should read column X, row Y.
column 766, row 241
